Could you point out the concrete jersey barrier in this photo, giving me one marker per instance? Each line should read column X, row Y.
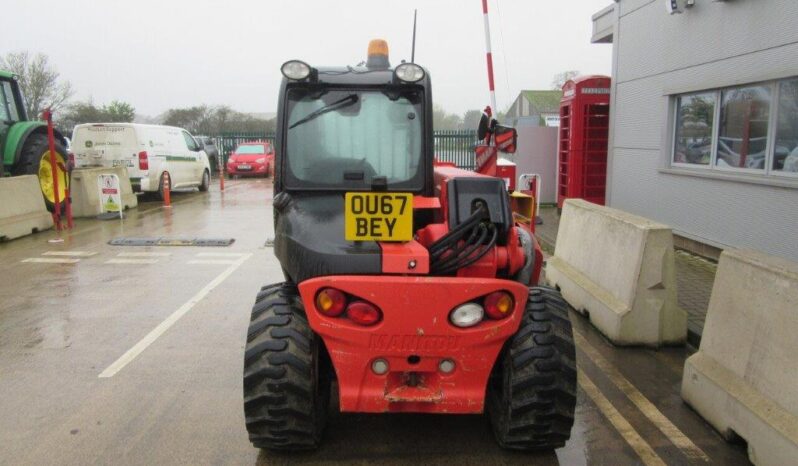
column 22, row 210
column 86, row 200
column 618, row 269
column 744, row 378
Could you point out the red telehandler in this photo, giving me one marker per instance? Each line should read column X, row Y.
column 409, row 283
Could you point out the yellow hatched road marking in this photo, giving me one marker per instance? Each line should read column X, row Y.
column 50, row 260
column 676, row 436
column 629, row 434
column 69, row 253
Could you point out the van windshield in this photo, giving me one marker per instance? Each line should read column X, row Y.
column 351, row 139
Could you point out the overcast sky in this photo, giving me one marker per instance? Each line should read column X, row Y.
column 176, row 53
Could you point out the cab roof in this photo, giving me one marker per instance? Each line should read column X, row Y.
column 358, row 75
column 6, row 74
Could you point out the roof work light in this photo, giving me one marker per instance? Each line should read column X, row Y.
column 409, row 72
column 296, row 70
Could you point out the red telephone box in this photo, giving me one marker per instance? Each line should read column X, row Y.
column 584, row 129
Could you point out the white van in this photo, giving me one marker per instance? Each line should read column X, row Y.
column 151, row 153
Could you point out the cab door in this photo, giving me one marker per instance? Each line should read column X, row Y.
column 192, row 162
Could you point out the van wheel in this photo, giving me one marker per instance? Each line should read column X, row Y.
column 206, row 181
column 287, row 374
column 164, row 177
column 532, row 392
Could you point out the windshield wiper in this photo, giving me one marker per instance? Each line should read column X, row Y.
column 351, row 99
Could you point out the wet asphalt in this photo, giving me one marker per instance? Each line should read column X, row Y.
column 133, row 355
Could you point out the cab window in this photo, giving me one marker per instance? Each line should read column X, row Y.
column 191, row 144
column 8, row 107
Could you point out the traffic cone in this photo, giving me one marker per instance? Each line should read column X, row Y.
column 167, row 189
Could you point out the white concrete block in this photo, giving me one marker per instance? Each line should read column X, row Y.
column 744, row 378
column 86, row 200
column 22, row 210
column 618, row 269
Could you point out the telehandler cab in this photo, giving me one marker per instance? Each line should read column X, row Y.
column 407, row 281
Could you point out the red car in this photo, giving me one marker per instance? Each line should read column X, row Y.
column 251, row 158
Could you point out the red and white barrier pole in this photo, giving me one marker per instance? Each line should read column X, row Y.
column 490, row 58
column 48, row 117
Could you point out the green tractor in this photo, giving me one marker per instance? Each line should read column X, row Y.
column 23, row 143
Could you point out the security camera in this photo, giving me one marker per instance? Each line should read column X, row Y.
column 673, row 6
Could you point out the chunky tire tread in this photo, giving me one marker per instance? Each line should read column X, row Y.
column 286, row 374
column 532, row 396
column 30, row 158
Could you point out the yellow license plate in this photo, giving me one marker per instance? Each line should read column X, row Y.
column 378, row 217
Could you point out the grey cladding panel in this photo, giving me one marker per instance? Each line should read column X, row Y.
column 730, row 213
column 652, row 42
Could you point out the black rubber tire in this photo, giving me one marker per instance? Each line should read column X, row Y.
column 206, row 181
column 160, row 193
column 30, row 158
column 286, row 374
column 532, row 393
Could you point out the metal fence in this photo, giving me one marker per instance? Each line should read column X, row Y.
column 457, row 147
column 450, row 146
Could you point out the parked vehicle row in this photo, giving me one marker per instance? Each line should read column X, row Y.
column 152, row 154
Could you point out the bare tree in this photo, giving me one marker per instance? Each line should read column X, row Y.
column 560, row 79
column 39, row 81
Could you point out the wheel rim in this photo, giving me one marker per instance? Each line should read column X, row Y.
column 46, row 177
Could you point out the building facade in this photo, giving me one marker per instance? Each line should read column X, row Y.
column 535, row 108
column 704, row 119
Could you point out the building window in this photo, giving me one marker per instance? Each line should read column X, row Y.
column 785, row 156
column 730, row 129
column 743, row 127
column 694, row 124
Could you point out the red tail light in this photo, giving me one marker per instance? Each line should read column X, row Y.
column 499, row 305
column 363, row 313
column 331, row 302
column 144, row 162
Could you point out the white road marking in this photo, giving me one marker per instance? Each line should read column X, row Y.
column 50, row 260
column 629, row 434
column 131, row 261
column 212, row 261
column 676, row 436
column 144, row 254
column 221, row 254
column 148, row 339
column 70, row 253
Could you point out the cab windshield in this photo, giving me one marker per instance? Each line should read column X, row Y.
column 354, row 139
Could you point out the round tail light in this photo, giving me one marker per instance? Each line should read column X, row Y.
column 499, row 304
column 363, row 313
column 467, row 315
column 331, row 302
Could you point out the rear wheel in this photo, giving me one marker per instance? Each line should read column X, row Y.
column 35, row 160
column 532, row 395
column 287, row 374
column 206, row 181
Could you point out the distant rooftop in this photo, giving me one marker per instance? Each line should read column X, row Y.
column 544, row 101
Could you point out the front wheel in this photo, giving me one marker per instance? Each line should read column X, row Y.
column 35, row 160
column 287, row 374
column 206, row 181
column 532, row 393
